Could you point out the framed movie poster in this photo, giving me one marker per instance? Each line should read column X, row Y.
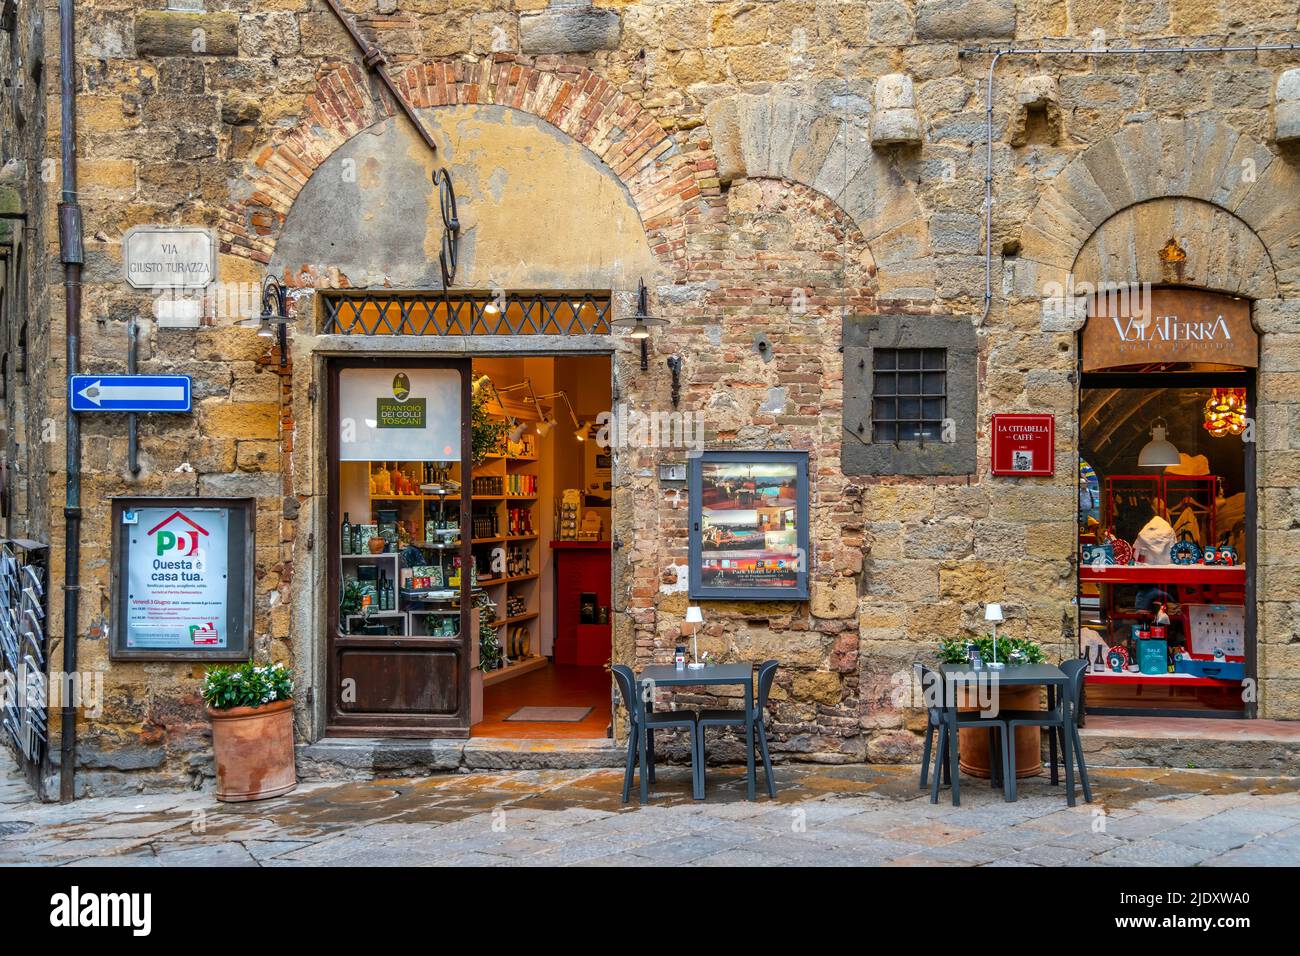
column 749, row 526
column 184, row 578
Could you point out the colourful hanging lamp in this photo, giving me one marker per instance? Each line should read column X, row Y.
column 1225, row 412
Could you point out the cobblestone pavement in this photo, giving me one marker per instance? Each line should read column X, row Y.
column 846, row 816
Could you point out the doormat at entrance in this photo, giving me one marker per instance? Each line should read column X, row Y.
column 560, row 715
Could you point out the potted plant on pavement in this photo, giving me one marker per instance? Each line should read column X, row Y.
column 974, row 744
column 251, row 709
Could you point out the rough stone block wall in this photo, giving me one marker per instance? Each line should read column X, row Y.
column 743, row 135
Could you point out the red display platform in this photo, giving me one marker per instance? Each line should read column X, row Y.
column 1162, row 574
column 1173, row 680
column 581, row 566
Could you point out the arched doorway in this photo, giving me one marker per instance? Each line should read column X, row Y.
column 1167, row 458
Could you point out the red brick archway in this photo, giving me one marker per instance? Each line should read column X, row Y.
column 663, row 180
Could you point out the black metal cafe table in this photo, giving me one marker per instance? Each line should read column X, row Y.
column 667, row 675
column 985, row 680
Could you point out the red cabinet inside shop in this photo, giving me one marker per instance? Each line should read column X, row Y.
column 582, row 567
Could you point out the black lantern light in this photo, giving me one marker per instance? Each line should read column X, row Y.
column 275, row 316
column 639, row 323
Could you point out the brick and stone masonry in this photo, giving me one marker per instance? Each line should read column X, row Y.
column 767, row 167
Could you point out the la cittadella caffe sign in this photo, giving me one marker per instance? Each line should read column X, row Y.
column 1158, row 326
column 1024, row 446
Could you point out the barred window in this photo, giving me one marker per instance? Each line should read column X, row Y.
column 910, row 394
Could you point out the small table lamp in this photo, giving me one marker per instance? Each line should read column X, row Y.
column 695, row 619
column 993, row 613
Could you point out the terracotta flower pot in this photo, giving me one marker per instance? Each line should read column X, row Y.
column 253, row 747
column 974, row 744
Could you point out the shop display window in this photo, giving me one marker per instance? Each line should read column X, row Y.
column 1163, row 544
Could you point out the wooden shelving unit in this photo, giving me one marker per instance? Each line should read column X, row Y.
column 522, row 586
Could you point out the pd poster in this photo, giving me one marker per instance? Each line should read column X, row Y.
column 177, row 578
column 397, row 414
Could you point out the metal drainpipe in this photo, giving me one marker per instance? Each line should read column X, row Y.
column 1069, row 51
column 72, row 256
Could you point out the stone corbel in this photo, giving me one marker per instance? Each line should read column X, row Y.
column 894, row 119
column 1037, row 94
column 1286, row 107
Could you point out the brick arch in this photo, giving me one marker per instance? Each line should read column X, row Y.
column 662, row 181
column 1218, row 174
column 773, row 136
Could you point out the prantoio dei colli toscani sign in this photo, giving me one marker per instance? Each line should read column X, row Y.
column 1169, row 325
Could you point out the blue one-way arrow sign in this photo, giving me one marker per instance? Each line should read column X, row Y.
column 129, row 393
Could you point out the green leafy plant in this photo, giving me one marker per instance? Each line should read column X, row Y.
column 247, row 685
column 487, row 434
column 350, row 602
column 952, row 650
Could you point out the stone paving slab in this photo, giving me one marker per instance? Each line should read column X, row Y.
column 823, row 816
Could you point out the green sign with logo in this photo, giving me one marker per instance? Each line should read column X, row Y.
column 391, row 413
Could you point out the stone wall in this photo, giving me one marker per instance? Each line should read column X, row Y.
column 778, row 179
column 24, row 276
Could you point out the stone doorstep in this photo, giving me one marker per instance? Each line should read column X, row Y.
column 1182, row 742
column 333, row 758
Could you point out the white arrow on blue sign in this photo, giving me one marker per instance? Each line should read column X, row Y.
column 129, row 393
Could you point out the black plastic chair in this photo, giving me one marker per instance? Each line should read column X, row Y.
column 1002, row 766
column 1075, row 670
column 736, row 718
column 641, row 741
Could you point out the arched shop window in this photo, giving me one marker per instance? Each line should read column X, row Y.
column 1167, row 504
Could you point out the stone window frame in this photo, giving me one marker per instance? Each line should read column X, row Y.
column 859, row 454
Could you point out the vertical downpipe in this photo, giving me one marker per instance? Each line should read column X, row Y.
column 72, row 256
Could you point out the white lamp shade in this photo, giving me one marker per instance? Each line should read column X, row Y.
column 693, row 615
column 1159, row 452
column 992, row 612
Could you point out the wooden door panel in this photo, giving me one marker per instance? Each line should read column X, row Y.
column 400, row 681
column 400, row 685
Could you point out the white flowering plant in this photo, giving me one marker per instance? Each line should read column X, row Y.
column 248, row 685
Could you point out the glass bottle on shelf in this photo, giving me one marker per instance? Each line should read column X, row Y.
column 345, row 535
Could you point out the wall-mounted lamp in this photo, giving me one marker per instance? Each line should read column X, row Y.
column 639, row 323
column 274, row 320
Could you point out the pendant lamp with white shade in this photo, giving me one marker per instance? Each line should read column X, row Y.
column 1159, row 452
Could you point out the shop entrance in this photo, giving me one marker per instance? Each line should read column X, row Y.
column 471, row 546
column 1167, row 505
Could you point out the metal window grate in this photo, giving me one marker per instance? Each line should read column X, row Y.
column 909, row 395
column 516, row 313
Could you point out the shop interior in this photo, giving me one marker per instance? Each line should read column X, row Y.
column 1163, row 535
column 540, row 540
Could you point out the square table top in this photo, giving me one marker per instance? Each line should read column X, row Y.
column 669, row 675
column 1024, row 674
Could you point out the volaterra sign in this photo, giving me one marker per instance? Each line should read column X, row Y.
column 1169, row 325
column 163, row 257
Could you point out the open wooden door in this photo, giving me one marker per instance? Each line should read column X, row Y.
column 402, row 638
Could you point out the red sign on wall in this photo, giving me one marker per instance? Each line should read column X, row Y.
column 1024, row 446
